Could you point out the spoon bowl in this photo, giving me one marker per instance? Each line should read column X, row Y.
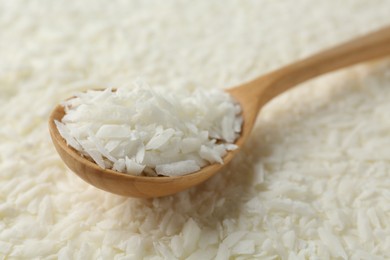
column 251, row 96
column 125, row 184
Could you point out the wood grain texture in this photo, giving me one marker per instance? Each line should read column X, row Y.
column 251, row 96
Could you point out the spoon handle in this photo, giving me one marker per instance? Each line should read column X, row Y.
column 368, row 47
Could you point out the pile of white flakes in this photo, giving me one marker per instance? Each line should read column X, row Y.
column 143, row 130
column 312, row 181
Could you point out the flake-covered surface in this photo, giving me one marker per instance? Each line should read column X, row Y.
column 313, row 179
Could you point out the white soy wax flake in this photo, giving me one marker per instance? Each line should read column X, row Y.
column 151, row 131
column 177, row 168
column 132, row 167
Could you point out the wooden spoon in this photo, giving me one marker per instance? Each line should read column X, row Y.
column 251, row 96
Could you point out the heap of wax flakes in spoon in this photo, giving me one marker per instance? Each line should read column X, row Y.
column 151, row 131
